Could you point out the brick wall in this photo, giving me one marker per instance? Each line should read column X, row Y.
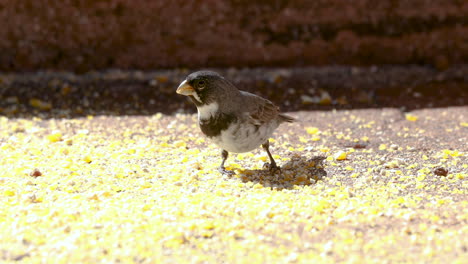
column 80, row 35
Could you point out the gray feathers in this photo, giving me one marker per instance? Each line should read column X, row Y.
column 232, row 101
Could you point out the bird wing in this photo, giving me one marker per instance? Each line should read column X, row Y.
column 259, row 110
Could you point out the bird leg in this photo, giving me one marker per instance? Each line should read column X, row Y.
column 221, row 169
column 266, row 146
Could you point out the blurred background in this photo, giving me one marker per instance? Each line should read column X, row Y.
column 322, row 54
column 83, row 35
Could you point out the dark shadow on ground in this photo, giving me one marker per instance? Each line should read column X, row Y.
column 297, row 171
column 114, row 92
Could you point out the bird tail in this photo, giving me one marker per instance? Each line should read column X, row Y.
column 286, row 118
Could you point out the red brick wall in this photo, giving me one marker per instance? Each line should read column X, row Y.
column 81, row 35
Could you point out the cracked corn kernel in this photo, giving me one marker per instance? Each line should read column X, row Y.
column 452, row 153
column 87, row 159
column 312, row 130
column 55, row 137
column 179, row 144
column 131, row 151
column 39, row 104
column 9, row 192
column 161, row 78
column 340, row 155
column 261, row 157
column 411, row 117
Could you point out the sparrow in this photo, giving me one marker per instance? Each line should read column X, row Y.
column 236, row 121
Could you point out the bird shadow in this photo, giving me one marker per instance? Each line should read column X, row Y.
column 298, row 171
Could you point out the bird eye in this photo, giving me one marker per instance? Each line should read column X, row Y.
column 201, row 84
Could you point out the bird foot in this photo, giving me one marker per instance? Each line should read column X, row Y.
column 272, row 168
column 225, row 172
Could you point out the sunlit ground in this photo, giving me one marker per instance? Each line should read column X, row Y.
column 353, row 187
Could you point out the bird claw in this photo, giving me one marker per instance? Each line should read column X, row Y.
column 225, row 172
column 275, row 168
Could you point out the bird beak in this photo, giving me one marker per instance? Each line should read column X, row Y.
column 185, row 89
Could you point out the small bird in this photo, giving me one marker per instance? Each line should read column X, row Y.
column 236, row 121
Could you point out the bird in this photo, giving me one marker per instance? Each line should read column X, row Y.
column 234, row 120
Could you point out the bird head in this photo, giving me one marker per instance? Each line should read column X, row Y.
column 206, row 87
